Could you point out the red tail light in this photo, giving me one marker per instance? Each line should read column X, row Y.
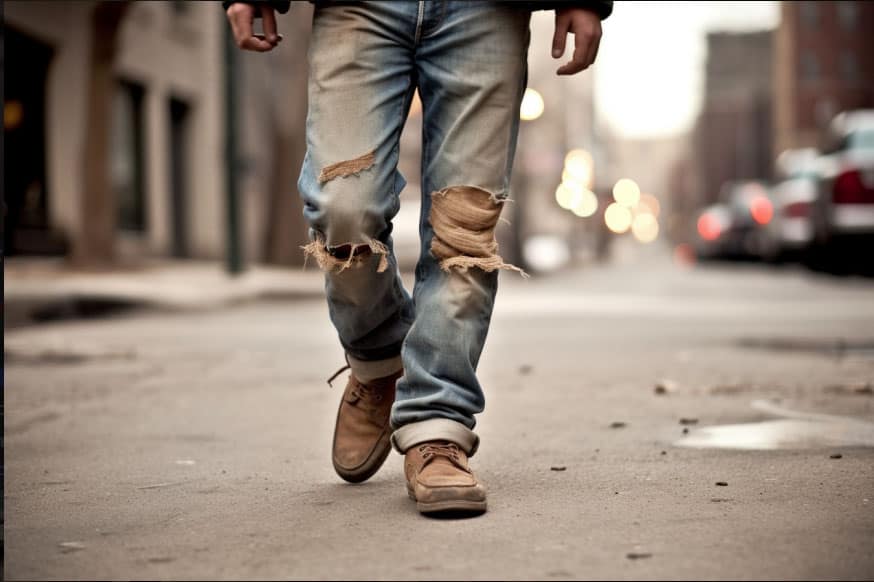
column 709, row 227
column 761, row 209
column 797, row 210
column 849, row 189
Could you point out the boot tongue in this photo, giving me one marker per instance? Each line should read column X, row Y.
column 442, row 453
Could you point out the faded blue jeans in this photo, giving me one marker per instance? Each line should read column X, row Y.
column 468, row 61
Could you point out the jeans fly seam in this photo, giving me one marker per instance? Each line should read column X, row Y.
column 419, row 18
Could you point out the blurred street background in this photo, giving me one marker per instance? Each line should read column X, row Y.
column 684, row 387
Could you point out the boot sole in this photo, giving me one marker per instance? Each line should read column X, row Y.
column 449, row 505
column 369, row 468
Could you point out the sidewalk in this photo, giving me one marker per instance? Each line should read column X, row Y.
column 46, row 290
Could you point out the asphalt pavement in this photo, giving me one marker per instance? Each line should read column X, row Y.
column 196, row 444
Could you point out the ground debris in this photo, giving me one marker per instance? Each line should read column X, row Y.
column 687, row 421
column 722, row 484
column 618, row 424
column 558, row 468
column 719, row 500
column 665, row 387
column 70, row 547
column 162, row 485
column 729, row 389
column 638, row 555
column 836, row 456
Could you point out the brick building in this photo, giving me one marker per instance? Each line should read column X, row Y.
column 732, row 137
column 824, row 57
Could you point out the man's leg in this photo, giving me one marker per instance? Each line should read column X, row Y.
column 471, row 67
column 360, row 87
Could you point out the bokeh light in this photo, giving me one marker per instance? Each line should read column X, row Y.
column 761, row 209
column 13, row 112
column 532, row 105
column 645, row 227
column 626, row 192
column 649, row 203
column 684, row 255
column 709, row 227
column 563, row 196
column 587, row 204
column 617, row 217
column 578, row 166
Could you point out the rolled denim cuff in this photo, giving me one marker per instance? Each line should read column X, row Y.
column 435, row 429
column 367, row 371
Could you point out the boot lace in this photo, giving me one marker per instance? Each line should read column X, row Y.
column 361, row 390
column 450, row 451
column 337, row 373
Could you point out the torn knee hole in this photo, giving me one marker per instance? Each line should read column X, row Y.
column 347, row 168
column 341, row 257
column 464, row 220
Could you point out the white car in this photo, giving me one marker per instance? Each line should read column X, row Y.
column 845, row 198
column 791, row 231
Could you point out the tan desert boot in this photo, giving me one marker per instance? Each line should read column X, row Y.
column 362, row 433
column 439, row 479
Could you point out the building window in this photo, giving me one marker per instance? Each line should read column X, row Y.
column 179, row 7
column 809, row 66
column 179, row 192
column 849, row 66
column 848, row 15
column 809, row 14
column 127, row 158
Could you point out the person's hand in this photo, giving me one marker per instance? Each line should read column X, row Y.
column 586, row 28
column 242, row 15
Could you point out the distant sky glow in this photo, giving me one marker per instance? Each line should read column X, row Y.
column 649, row 73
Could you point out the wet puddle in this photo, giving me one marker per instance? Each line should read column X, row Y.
column 791, row 430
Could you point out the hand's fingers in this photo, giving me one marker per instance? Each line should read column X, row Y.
column 241, row 17
column 594, row 45
column 578, row 62
column 241, row 24
column 254, row 43
column 268, row 18
column 562, row 24
column 233, row 18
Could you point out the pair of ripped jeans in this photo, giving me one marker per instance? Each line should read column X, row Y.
column 468, row 61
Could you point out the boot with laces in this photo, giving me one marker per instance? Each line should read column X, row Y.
column 362, row 433
column 440, row 480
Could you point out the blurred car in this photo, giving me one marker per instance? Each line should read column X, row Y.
column 790, row 232
column 844, row 209
column 713, row 238
column 731, row 229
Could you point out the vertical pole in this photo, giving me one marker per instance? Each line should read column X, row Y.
column 233, row 257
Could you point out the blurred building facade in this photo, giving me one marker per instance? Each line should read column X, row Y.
column 166, row 125
column 824, row 64
column 732, row 136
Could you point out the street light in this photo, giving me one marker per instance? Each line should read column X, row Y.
column 532, row 105
column 578, row 166
column 617, row 217
column 626, row 192
column 587, row 204
column 645, row 227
